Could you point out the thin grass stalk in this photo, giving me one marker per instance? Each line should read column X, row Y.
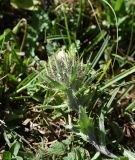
column 67, row 29
column 117, row 29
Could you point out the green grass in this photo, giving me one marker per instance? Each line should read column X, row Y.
column 67, row 80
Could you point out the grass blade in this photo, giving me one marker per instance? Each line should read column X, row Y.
column 100, row 52
column 131, row 107
column 108, row 105
column 118, row 77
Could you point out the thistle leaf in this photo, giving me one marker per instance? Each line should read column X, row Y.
column 86, row 123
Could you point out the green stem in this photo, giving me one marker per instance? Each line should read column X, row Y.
column 67, row 29
column 24, row 36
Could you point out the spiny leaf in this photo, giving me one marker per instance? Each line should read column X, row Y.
column 86, row 123
column 102, row 130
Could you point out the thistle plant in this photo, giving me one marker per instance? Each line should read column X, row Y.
column 67, row 73
column 70, row 74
